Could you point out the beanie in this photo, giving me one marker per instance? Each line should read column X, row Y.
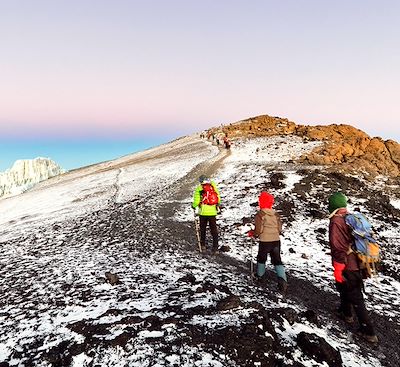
column 265, row 200
column 336, row 201
column 204, row 179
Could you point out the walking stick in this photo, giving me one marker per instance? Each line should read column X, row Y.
column 197, row 227
column 251, row 259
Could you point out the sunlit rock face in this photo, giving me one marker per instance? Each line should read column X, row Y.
column 26, row 173
column 343, row 147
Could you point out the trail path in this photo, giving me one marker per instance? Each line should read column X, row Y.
column 301, row 292
column 171, row 305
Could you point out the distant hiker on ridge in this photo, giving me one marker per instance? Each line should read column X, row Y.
column 226, row 142
column 206, row 199
column 268, row 227
column 349, row 281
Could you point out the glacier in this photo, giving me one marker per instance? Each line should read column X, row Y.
column 26, row 173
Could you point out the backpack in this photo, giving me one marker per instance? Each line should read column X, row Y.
column 208, row 195
column 365, row 246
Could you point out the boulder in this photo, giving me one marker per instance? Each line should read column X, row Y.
column 112, row 278
column 229, row 303
column 319, row 349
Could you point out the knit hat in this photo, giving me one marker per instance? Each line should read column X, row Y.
column 204, row 179
column 265, row 200
column 336, row 201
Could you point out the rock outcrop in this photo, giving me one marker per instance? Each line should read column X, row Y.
column 24, row 174
column 344, row 147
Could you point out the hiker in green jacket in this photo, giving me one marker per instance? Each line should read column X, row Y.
column 206, row 200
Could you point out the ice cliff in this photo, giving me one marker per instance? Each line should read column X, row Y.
column 26, row 173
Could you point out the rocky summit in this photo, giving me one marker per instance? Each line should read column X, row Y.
column 342, row 147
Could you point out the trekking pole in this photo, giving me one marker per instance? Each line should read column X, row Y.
column 251, row 259
column 197, row 227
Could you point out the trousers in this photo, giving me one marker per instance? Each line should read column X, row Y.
column 271, row 248
column 212, row 221
column 351, row 297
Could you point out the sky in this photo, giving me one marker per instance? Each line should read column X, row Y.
column 119, row 70
column 70, row 154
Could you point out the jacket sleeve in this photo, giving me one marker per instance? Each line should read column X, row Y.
column 197, row 197
column 338, row 242
column 258, row 224
column 279, row 221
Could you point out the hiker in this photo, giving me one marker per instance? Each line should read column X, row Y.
column 206, row 200
column 347, row 273
column 268, row 227
column 226, row 142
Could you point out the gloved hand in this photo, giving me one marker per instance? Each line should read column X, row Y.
column 250, row 233
column 338, row 272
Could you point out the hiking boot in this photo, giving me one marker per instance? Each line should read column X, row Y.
column 348, row 319
column 342, row 316
column 256, row 278
column 373, row 339
column 203, row 249
column 215, row 251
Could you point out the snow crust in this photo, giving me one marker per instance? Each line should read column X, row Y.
column 94, row 187
column 64, row 264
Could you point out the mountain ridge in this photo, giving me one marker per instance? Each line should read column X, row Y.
column 343, row 147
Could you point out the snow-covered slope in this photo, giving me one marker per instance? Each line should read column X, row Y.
column 93, row 188
column 26, row 173
column 171, row 305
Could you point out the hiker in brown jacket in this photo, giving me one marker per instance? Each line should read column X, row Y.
column 347, row 272
column 268, row 227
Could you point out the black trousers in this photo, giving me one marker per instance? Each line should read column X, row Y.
column 351, row 296
column 212, row 220
column 272, row 248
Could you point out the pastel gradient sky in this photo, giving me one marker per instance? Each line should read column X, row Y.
column 111, row 69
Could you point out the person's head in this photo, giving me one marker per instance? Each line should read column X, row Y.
column 265, row 200
column 336, row 201
column 204, row 179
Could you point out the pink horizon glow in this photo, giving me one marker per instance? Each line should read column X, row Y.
column 74, row 69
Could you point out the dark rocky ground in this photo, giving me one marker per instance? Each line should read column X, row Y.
column 170, row 305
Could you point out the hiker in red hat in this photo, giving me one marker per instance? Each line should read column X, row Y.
column 268, row 227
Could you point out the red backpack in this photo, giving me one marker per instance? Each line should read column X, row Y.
column 208, row 195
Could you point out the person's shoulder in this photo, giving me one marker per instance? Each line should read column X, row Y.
column 340, row 216
column 269, row 211
column 338, row 221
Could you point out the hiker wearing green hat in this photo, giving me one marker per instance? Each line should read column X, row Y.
column 347, row 274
